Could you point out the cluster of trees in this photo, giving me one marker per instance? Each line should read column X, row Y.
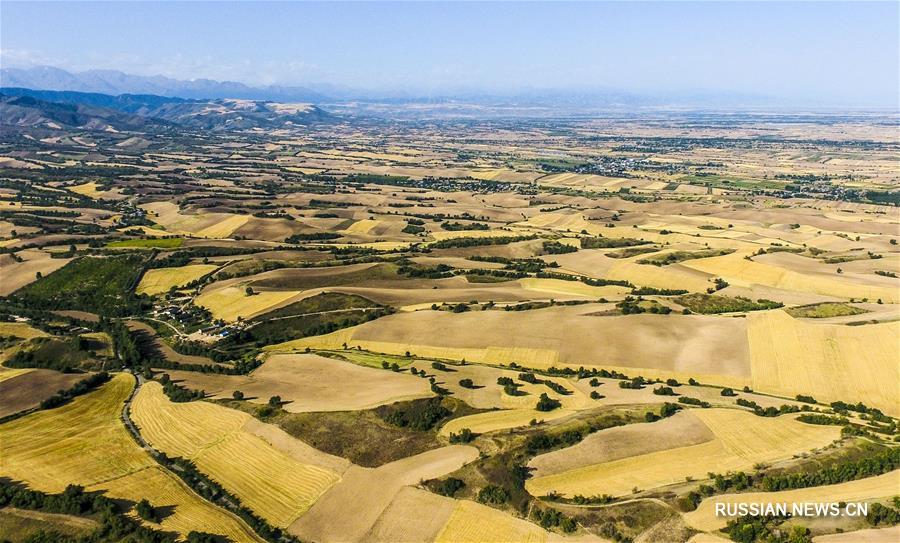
column 610, row 243
column 99, row 285
column 749, row 529
column 464, row 436
column 412, row 228
column 114, row 525
column 664, row 391
column 631, row 306
column 870, row 466
column 874, row 413
column 421, row 415
column 447, row 487
column 636, row 383
column 510, row 387
column 492, row 494
column 667, row 410
column 693, row 401
column 609, row 530
column 768, row 411
column 457, row 226
column 851, row 469
column 651, row 291
column 551, row 518
column 881, row 515
column 545, row 441
column 296, row 327
column 477, row 242
column 529, row 265
column 557, row 248
column 586, row 280
column 819, row 418
column 546, row 403
column 530, row 377
column 178, row 393
column 312, row 236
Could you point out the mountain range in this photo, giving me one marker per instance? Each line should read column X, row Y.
column 30, row 108
column 114, row 82
column 375, row 102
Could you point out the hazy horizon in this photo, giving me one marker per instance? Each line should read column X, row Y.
column 816, row 53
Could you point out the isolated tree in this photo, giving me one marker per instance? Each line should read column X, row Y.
column 237, row 395
column 145, row 511
column 275, row 401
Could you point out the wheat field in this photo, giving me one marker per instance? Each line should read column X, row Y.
column 160, row 280
column 742, row 439
column 870, row 488
column 274, row 485
column 832, row 362
column 85, row 443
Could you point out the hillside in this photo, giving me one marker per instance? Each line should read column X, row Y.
column 131, row 112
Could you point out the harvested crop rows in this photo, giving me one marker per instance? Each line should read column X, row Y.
column 268, row 481
column 85, row 443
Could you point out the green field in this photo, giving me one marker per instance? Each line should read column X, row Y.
column 102, row 285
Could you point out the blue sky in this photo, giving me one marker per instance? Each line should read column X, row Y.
column 842, row 53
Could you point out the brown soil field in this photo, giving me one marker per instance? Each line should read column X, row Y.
column 80, row 315
column 269, row 229
column 680, row 430
column 368, row 492
column 18, row 274
column 29, row 389
column 654, row 345
column 164, row 349
column 871, row 535
column 741, row 440
column 307, row 278
column 310, row 382
column 403, row 520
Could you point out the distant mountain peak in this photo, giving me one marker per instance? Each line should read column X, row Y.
column 115, row 82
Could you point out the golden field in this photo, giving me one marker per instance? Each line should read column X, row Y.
column 160, row 280
column 741, row 440
column 85, row 443
column 273, row 484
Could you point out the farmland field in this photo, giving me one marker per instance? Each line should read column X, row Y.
column 355, row 321
column 85, row 443
column 213, row 437
column 740, row 440
column 159, row 281
column 873, row 488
